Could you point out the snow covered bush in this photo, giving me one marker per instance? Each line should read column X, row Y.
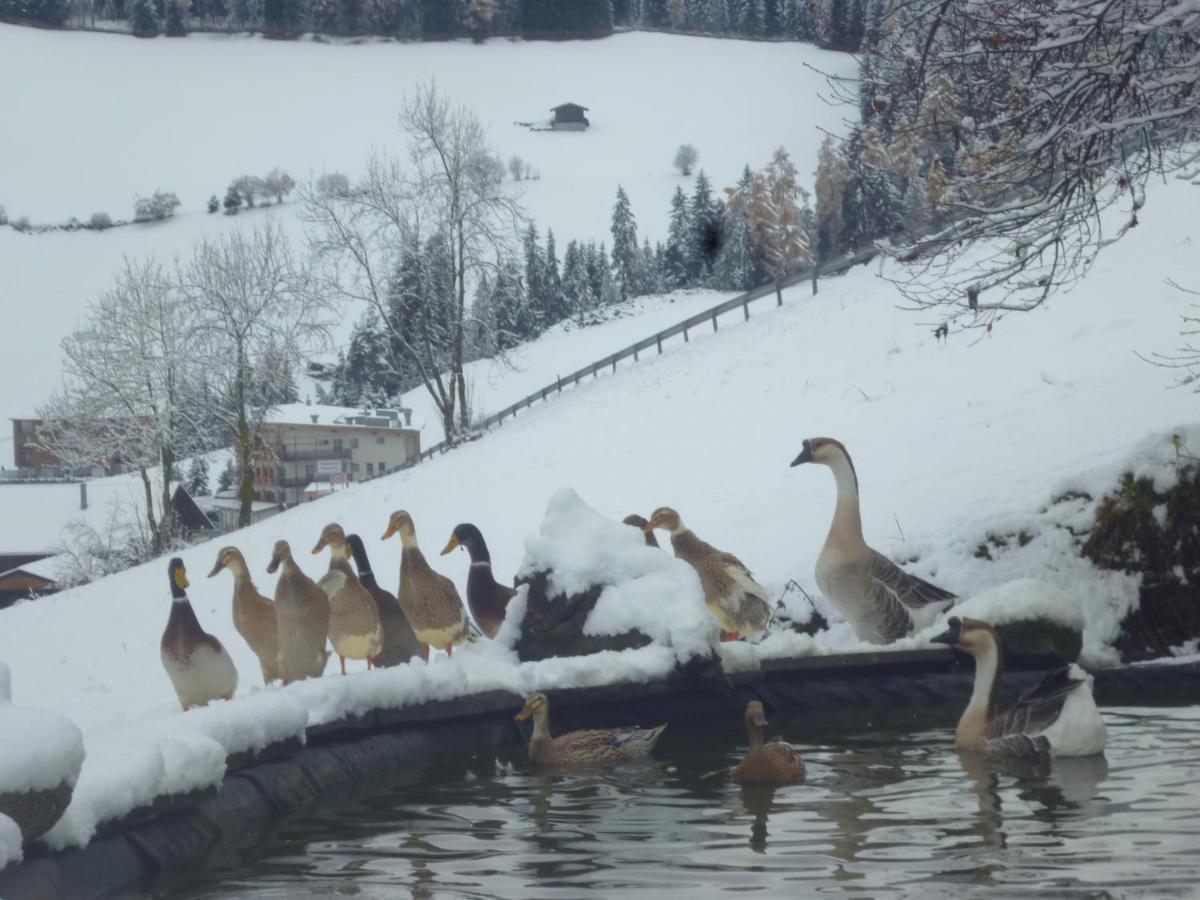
column 3, row 215
column 685, row 159
column 158, row 206
column 333, row 184
column 100, row 221
column 1154, row 530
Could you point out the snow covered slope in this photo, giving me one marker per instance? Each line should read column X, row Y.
column 951, row 441
column 190, row 114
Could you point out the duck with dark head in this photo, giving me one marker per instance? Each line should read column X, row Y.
column 198, row 665
column 486, row 597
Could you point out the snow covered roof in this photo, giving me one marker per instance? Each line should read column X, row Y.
column 339, row 416
column 36, row 513
column 318, row 487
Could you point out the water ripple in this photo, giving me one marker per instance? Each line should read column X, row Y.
column 883, row 813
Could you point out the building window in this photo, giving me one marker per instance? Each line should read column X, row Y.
column 370, row 470
column 380, row 439
column 353, row 443
column 337, row 444
column 353, row 467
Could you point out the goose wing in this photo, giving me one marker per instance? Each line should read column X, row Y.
column 1038, row 708
column 1020, row 745
column 909, row 590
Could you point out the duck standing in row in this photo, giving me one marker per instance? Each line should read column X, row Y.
column 880, row 600
column 773, row 762
column 738, row 602
column 430, row 600
column 354, row 628
column 1058, row 717
column 302, row 613
column 198, row 665
column 400, row 644
column 595, row 745
column 486, row 597
column 253, row 614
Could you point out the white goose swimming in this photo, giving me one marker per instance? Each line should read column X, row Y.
column 880, row 600
column 1057, row 718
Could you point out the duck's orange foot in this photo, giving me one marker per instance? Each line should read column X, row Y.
column 450, row 650
column 425, row 652
column 343, row 659
column 727, row 636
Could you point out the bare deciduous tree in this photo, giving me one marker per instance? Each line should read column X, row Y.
column 124, row 399
column 256, row 313
column 1064, row 108
column 451, row 193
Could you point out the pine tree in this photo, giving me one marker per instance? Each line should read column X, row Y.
column 142, row 18
column 778, row 214
column 233, row 201
column 738, row 267
column 514, row 323
column 651, row 276
column 226, row 478
column 576, row 287
column 556, row 305
column 625, row 247
column 175, row 10
column 704, row 236
column 196, row 479
column 213, row 204
column 677, row 264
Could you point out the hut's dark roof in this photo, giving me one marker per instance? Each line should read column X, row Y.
column 566, row 106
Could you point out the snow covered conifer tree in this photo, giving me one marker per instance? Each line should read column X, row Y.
column 677, row 264
column 142, row 18
column 196, row 480
column 704, row 235
column 625, row 253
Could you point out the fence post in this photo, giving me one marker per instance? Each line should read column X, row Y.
column 635, row 356
column 746, row 309
column 714, row 321
column 614, row 363
column 559, row 380
column 685, row 336
column 658, row 339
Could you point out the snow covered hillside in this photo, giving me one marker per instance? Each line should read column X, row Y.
column 951, row 441
column 190, row 114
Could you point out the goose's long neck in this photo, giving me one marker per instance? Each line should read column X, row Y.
column 756, row 736
column 982, row 707
column 847, row 520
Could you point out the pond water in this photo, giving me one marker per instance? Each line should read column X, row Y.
column 885, row 812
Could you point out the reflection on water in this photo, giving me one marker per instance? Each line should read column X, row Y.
column 882, row 814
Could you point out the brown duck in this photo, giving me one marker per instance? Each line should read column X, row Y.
column 253, row 614
column 770, row 763
column 429, row 600
column 353, row 620
column 302, row 611
column 597, row 745
column 400, row 644
column 198, row 665
column 733, row 596
column 487, row 598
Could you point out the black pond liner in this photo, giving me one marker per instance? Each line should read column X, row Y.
column 177, row 834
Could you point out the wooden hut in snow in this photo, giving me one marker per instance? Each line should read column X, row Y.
column 569, row 117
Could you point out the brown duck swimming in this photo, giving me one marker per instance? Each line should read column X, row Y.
column 198, row 665
column 738, row 602
column 253, row 614
column 430, row 601
column 400, row 644
column 598, row 745
column 354, row 629
column 770, row 763
column 487, row 598
column 302, row 611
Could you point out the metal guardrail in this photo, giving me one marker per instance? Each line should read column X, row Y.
column 655, row 341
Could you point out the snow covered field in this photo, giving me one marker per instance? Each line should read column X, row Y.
column 951, row 441
column 188, row 115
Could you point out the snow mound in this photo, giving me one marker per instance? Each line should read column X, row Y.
column 129, row 766
column 49, row 752
column 10, row 841
column 1021, row 600
column 644, row 588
